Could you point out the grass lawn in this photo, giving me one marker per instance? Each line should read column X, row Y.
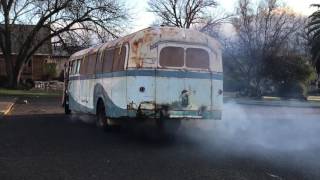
column 10, row 92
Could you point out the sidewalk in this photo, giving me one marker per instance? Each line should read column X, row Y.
column 6, row 104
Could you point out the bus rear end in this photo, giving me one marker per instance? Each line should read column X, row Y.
column 177, row 80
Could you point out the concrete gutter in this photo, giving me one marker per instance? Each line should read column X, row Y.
column 280, row 103
column 6, row 105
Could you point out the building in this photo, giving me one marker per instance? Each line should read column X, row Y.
column 34, row 69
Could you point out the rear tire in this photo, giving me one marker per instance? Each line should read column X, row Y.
column 101, row 119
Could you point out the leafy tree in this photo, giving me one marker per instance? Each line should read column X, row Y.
column 291, row 74
column 61, row 17
column 314, row 33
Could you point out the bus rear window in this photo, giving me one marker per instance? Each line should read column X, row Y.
column 172, row 57
column 197, row 58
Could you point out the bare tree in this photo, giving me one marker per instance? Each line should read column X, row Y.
column 182, row 13
column 60, row 17
column 262, row 32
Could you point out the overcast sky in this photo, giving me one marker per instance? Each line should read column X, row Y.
column 144, row 19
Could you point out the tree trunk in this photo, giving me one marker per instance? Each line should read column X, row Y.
column 14, row 70
column 9, row 70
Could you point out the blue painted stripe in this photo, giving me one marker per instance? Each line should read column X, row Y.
column 158, row 73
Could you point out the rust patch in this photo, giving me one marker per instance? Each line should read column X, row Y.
column 136, row 55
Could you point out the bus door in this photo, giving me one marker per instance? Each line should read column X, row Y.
column 170, row 75
column 198, row 83
column 183, row 79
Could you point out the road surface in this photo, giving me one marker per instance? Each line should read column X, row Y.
column 37, row 141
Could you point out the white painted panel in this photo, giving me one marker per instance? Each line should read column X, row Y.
column 168, row 90
column 200, row 92
column 134, row 83
column 83, row 94
column 90, row 93
column 119, row 95
column 107, row 86
column 217, row 98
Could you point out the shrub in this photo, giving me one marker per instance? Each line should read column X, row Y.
column 291, row 75
column 49, row 71
column 3, row 81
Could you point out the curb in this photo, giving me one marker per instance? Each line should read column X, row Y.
column 7, row 111
column 279, row 104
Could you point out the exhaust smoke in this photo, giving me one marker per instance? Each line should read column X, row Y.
column 286, row 137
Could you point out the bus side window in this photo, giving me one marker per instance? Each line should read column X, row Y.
column 70, row 67
column 108, row 60
column 119, row 59
column 75, row 67
column 99, row 63
column 83, row 66
column 122, row 58
column 91, row 63
column 78, row 66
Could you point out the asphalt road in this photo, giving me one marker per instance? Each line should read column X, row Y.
column 37, row 141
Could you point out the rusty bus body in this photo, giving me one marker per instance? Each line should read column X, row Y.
column 155, row 73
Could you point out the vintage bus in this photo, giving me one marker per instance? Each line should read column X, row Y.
column 164, row 74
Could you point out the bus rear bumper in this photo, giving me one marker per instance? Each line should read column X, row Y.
column 178, row 114
column 188, row 114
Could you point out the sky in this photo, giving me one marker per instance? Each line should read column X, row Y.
column 144, row 19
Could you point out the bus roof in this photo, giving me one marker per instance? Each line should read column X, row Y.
column 160, row 34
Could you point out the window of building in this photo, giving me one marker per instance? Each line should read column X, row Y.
column 30, row 63
column 172, row 57
column 197, row 58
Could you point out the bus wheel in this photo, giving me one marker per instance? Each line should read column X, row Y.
column 101, row 119
column 66, row 106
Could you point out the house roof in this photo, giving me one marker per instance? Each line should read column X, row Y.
column 20, row 33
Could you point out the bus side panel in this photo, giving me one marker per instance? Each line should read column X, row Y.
column 118, row 97
column 76, row 92
column 140, row 90
column 90, row 95
column 106, row 83
column 71, row 94
column 216, row 97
